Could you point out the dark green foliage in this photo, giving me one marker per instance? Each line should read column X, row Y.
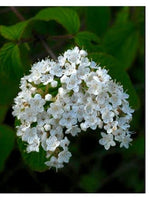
column 13, row 32
column 35, row 160
column 98, row 19
column 88, row 40
column 114, row 37
column 65, row 16
column 3, row 111
column 7, row 139
column 121, row 41
column 10, row 59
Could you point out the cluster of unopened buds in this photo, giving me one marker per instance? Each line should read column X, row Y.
column 69, row 96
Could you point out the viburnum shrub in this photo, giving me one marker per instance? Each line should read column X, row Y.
column 69, row 96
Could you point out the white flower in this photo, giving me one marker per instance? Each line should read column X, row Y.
column 55, row 110
column 54, row 163
column 107, row 140
column 30, row 135
column 29, row 115
column 83, row 53
column 37, row 103
column 68, row 96
column 58, row 132
column 124, row 139
column 54, row 84
column 73, row 56
column 95, row 86
column 102, row 75
column 73, row 83
column 34, row 146
column 111, row 126
column 69, row 69
column 56, row 70
column 46, row 78
column 47, row 127
column 68, row 119
column 64, row 156
column 52, row 143
column 107, row 115
column 48, row 97
column 64, row 143
column 74, row 130
column 83, row 72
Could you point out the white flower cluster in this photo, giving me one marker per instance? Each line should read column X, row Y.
column 66, row 97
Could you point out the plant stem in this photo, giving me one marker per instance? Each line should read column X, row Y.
column 44, row 44
column 17, row 13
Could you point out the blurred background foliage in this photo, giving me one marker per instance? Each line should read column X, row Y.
column 115, row 38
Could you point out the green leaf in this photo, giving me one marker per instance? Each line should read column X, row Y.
column 88, row 40
column 13, row 32
column 7, row 140
column 98, row 19
column 121, row 41
column 117, row 73
column 122, row 15
column 8, row 88
column 10, row 60
column 3, row 111
column 67, row 17
column 35, row 160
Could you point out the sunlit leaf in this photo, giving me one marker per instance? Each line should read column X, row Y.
column 67, row 17
column 13, row 32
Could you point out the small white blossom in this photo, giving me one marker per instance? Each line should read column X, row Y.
column 107, row 140
column 48, row 97
column 64, row 156
column 74, row 130
column 52, row 143
column 54, row 163
column 124, row 139
column 64, row 143
column 54, row 84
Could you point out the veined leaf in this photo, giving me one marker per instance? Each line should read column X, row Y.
column 117, row 73
column 7, row 139
column 121, row 41
column 10, row 72
column 13, row 32
column 88, row 40
column 67, row 17
column 9, row 88
column 35, row 160
column 10, row 60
